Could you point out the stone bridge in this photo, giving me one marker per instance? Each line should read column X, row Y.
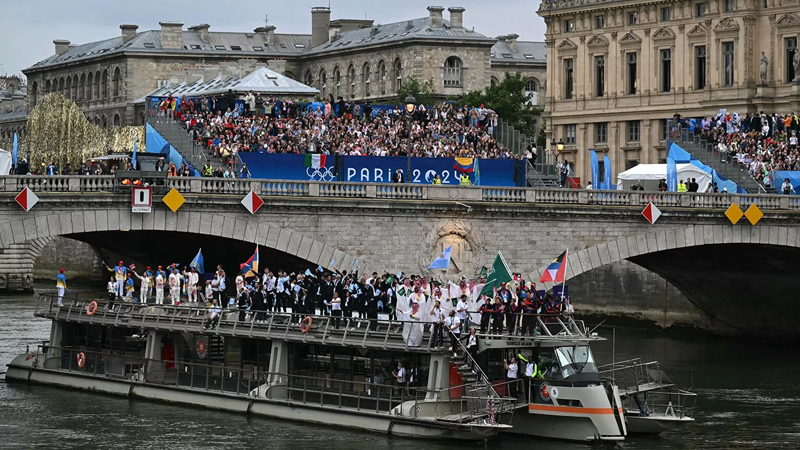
column 722, row 269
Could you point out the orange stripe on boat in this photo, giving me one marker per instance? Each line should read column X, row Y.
column 569, row 409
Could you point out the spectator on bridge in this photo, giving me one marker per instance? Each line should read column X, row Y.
column 786, row 187
column 662, row 185
column 398, row 177
column 638, row 186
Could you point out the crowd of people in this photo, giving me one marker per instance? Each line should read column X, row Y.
column 335, row 127
column 760, row 143
column 456, row 305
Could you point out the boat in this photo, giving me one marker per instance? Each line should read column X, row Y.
column 317, row 369
column 651, row 401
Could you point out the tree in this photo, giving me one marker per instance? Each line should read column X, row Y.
column 509, row 101
column 423, row 92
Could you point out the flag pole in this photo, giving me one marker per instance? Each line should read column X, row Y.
column 566, row 266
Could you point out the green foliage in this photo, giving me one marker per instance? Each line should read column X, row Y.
column 509, row 101
column 424, row 92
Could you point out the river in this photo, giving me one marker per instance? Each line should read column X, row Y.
column 749, row 398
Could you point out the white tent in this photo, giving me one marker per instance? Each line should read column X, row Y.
column 651, row 174
column 5, row 162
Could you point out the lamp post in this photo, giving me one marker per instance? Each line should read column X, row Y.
column 556, row 147
column 410, row 102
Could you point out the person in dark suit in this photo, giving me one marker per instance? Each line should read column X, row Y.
column 398, row 177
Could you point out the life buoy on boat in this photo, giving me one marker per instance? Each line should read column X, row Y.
column 81, row 360
column 305, row 325
column 91, row 308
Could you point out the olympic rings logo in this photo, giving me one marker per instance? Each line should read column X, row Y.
column 321, row 174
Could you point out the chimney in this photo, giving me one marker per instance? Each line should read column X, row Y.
column 512, row 41
column 171, row 35
column 334, row 31
column 202, row 30
column 456, row 17
column 437, row 19
column 61, row 46
column 267, row 33
column 320, row 20
column 128, row 32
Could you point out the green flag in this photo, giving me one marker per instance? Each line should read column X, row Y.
column 484, row 272
column 500, row 273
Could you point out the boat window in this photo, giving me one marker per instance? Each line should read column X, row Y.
column 572, row 361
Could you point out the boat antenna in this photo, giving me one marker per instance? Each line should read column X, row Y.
column 691, row 373
column 598, row 326
column 613, row 354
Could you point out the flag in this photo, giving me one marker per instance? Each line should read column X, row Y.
column 557, row 270
column 250, row 267
column 390, row 279
column 332, row 263
column 484, row 272
column 315, row 161
column 308, row 273
column 133, row 158
column 132, row 266
column 320, row 269
column 14, row 152
column 499, row 274
column 442, row 262
column 197, row 262
column 464, row 165
column 477, row 173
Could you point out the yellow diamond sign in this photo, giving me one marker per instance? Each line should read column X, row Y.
column 753, row 214
column 734, row 213
column 173, row 200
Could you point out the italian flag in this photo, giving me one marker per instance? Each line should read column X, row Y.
column 315, row 161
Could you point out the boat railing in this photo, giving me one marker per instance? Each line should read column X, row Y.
column 451, row 404
column 678, row 404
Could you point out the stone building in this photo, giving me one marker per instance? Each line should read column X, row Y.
column 353, row 58
column 618, row 69
column 13, row 104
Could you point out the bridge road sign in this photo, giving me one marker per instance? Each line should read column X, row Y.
column 651, row 213
column 142, row 199
column 26, row 199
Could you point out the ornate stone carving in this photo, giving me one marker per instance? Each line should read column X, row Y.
column 597, row 41
column 681, row 27
column 663, row 34
column 647, row 32
column 614, row 35
column 468, row 248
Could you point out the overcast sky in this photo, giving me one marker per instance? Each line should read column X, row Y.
column 29, row 28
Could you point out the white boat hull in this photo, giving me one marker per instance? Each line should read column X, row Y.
column 654, row 424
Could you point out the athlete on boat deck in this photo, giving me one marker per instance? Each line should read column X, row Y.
column 61, row 285
column 147, row 273
column 120, row 275
column 129, row 288
column 145, row 286
column 175, row 287
column 192, row 278
column 159, row 286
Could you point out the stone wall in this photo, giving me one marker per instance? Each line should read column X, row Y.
column 78, row 259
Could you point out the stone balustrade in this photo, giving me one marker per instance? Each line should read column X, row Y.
column 354, row 190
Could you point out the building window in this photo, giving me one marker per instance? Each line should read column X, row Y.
column 309, row 79
column 117, row 82
column 728, row 5
column 631, row 163
column 632, row 18
column 568, row 78
column 662, row 129
column 337, row 83
column 89, row 86
column 791, row 49
column 601, row 133
column 365, row 75
column 700, row 67
column 351, row 78
column 633, row 131
column 599, row 75
column 323, row 83
column 494, row 82
column 452, row 72
column 570, row 140
column 599, row 22
column 700, row 10
column 568, row 25
column 397, row 68
column 632, row 73
column 531, row 91
column 727, row 63
column 666, row 14
column 382, row 75
column 666, row 70
column 105, row 91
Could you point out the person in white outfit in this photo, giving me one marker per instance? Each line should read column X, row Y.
column 159, row 288
column 192, row 278
column 175, row 286
column 144, row 288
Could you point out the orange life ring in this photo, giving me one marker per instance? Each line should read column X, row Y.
column 305, row 325
column 91, row 308
column 81, row 360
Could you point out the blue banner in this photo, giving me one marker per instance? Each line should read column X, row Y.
column 607, row 167
column 595, row 170
column 374, row 169
column 672, row 175
column 279, row 166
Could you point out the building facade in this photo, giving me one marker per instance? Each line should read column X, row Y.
column 618, row 69
column 13, row 105
column 354, row 59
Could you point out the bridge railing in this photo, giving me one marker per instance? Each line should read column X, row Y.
column 354, row 190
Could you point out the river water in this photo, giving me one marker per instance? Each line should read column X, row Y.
column 749, row 398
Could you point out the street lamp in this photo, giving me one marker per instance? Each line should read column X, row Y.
column 410, row 102
column 556, row 147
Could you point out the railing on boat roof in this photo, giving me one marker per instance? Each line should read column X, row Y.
column 354, row 332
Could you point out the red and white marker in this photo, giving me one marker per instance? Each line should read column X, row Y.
column 26, row 199
column 651, row 213
column 252, row 202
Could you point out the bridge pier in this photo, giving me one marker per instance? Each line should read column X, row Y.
column 16, row 265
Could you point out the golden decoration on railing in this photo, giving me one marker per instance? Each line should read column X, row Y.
column 59, row 132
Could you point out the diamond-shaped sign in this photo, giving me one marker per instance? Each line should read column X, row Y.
column 26, row 199
column 734, row 213
column 651, row 213
column 173, row 200
column 252, row 202
column 753, row 214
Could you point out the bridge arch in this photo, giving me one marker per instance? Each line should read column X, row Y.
column 34, row 232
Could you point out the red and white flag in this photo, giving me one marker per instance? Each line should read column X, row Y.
column 651, row 213
column 252, row 202
column 26, row 199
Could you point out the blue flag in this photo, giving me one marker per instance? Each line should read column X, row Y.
column 133, row 158
column 308, row 273
column 197, row 262
column 672, row 175
column 442, row 262
column 607, row 167
column 14, row 153
column 595, row 170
